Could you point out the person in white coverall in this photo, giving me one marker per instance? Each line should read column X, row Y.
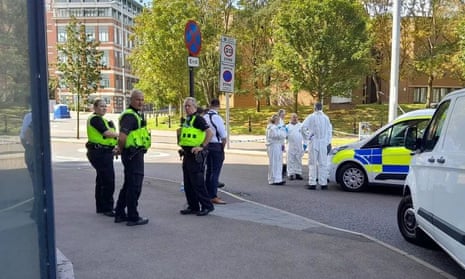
column 295, row 148
column 319, row 133
column 275, row 135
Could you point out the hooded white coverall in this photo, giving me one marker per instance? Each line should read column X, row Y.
column 295, row 149
column 319, row 130
column 275, row 135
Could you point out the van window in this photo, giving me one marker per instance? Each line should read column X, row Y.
column 434, row 129
column 454, row 140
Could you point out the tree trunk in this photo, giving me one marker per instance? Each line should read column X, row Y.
column 296, row 101
column 375, row 81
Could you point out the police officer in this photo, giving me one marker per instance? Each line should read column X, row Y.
column 133, row 142
column 216, row 146
column 194, row 136
column 102, row 139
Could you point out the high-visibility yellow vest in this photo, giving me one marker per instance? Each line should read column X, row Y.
column 190, row 136
column 139, row 138
column 94, row 136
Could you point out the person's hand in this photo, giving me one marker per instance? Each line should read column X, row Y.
column 116, row 152
column 196, row 150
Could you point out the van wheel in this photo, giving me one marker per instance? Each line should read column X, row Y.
column 352, row 178
column 408, row 225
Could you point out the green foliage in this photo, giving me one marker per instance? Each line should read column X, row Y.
column 80, row 67
column 14, row 69
column 322, row 45
column 160, row 56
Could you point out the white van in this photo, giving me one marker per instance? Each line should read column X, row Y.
column 433, row 203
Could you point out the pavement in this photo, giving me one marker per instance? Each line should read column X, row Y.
column 242, row 239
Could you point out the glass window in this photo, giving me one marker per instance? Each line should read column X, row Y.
column 105, row 81
column 61, row 33
column 90, row 33
column 454, row 140
column 105, row 59
column 434, row 129
column 419, row 95
column 24, row 239
column 103, row 34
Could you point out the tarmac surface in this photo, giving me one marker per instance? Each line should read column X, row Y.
column 242, row 239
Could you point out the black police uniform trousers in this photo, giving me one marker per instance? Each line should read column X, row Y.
column 133, row 162
column 194, row 182
column 101, row 158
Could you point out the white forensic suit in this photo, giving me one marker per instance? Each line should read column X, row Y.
column 295, row 149
column 275, row 135
column 318, row 129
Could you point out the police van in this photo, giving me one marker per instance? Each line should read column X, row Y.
column 433, row 202
column 380, row 158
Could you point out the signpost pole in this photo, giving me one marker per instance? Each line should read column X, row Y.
column 193, row 41
column 191, row 81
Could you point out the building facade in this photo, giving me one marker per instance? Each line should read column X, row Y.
column 107, row 21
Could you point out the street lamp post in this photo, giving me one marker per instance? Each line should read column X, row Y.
column 123, row 66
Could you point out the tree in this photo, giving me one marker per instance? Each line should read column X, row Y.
column 253, row 29
column 322, row 45
column 14, row 72
column 79, row 62
column 434, row 39
column 160, row 56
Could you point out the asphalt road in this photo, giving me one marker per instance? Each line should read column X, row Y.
column 372, row 213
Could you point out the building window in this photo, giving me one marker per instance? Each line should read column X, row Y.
column 61, row 34
column 75, row 12
column 103, row 34
column 105, row 59
column 90, row 33
column 105, row 81
column 90, row 12
column 117, row 36
column 104, row 12
column 419, row 95
column 118, row 58
column 439, row 93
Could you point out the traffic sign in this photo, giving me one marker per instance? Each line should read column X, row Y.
column 227, row 78
column 192, row 38
column 228, row 50
column 193, row 61
column 228, row 63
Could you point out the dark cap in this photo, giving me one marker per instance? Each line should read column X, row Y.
column 318, row 106
column 215, row 103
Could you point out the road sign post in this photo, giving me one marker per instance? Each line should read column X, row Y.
column 193, row 41
column 227, row 67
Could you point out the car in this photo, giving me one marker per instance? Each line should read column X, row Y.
column 433, row 201
column 377, row 159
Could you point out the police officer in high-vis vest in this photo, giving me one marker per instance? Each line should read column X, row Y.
column 194, row 136
column 133, row 142
column 102, row 139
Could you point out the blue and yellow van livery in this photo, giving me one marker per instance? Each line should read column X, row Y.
column 380, row 158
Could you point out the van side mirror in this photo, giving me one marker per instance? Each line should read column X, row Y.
column 410, row 138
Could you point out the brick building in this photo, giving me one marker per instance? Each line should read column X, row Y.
column 107, row 21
